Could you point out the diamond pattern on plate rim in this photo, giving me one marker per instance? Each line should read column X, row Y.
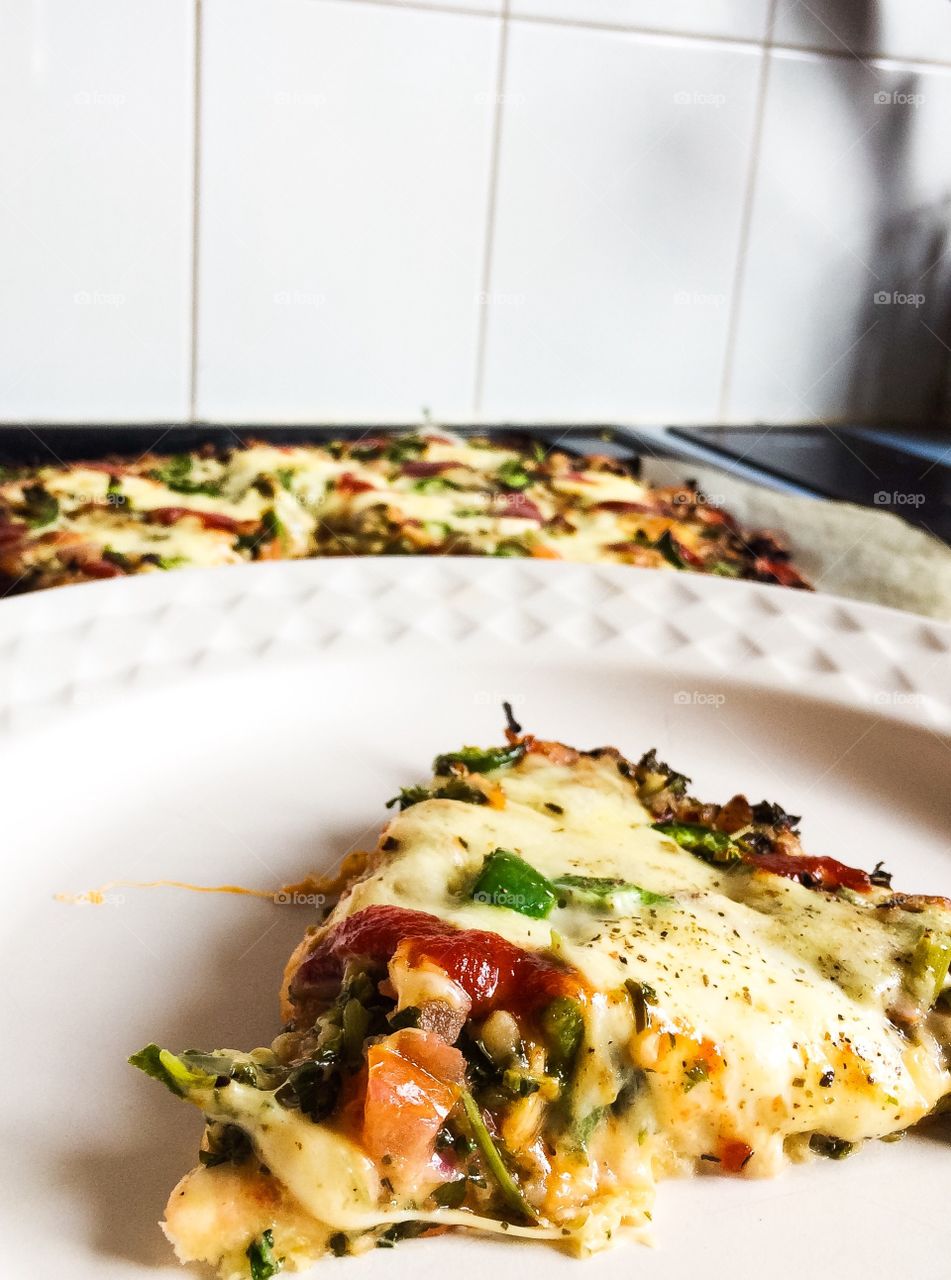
column 124, row 632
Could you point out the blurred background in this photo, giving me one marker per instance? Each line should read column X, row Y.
column 718, row 211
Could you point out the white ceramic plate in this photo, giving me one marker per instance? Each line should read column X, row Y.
column 247, row 725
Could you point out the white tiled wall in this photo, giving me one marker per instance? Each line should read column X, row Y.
column 618, row 299
column 96, row 134
column 637, row 210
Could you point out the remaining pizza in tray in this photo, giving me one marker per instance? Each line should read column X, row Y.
column 429, row 493
column 556, row 980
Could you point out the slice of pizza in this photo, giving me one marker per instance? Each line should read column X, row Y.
column 556, row 980
column 409, row 494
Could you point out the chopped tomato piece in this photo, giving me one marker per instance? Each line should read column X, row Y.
column 556, row 752
column 349, row 483
column 777, row 571
column 734, row 1155
column 714, row 516
column 11, row 531
column 413, row 1080
column 100, row 569
column 515, row 506
column 688, row 555
column 424, row 469
column 544, row 553
column 208, row 519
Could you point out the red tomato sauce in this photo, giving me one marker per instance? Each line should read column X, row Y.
column 208, row 519
column 494, row 973
column 816, row 872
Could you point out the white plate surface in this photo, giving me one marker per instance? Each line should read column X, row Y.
column 247, row 724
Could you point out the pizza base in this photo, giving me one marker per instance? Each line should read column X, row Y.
column 732, row 1003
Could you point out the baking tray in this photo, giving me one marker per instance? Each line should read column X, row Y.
column 844, row 550
column 46, row 445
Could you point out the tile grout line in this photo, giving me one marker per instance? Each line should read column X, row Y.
column 196, row 200
column 737, row 41
column 490, row 213
column 746, row 219
column 662, row 33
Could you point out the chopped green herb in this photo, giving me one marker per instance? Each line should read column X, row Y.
column 519, row 1083
column 712, row 846
column 408, row 1017
column 512, row 474
column 696, row 1074
column 511, row 1192
column 642, row 996
column 563, row 1028
column 774, row 815
column 285, row 478
column 260, row 1255
column 400, row 1231
column 479, row 759
column 669, row 549
column 164, row 562
column 41, row 507
column 510, row 549
column 175, row 475
column 506, row 880
column 403, row 449
column 435, row 484
column 356, row 1023
column 272, row 527
column 451, row 1195
column 174, row 470
column 929, row 966
column 172, row 1071
column 834, row 1148
column 118, row 558
column 723, row 569
column 454, row 789
column 224, row 1144
column 583, row 1129
column 603, row 891
column 312, row 1087
column 654, row 776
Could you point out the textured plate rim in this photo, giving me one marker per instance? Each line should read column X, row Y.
column 61, row 647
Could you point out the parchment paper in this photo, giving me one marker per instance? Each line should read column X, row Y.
column 845, row 550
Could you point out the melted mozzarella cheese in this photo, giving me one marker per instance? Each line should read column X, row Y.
column 768, row 1022
column 467, row 509
column 785, row 983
